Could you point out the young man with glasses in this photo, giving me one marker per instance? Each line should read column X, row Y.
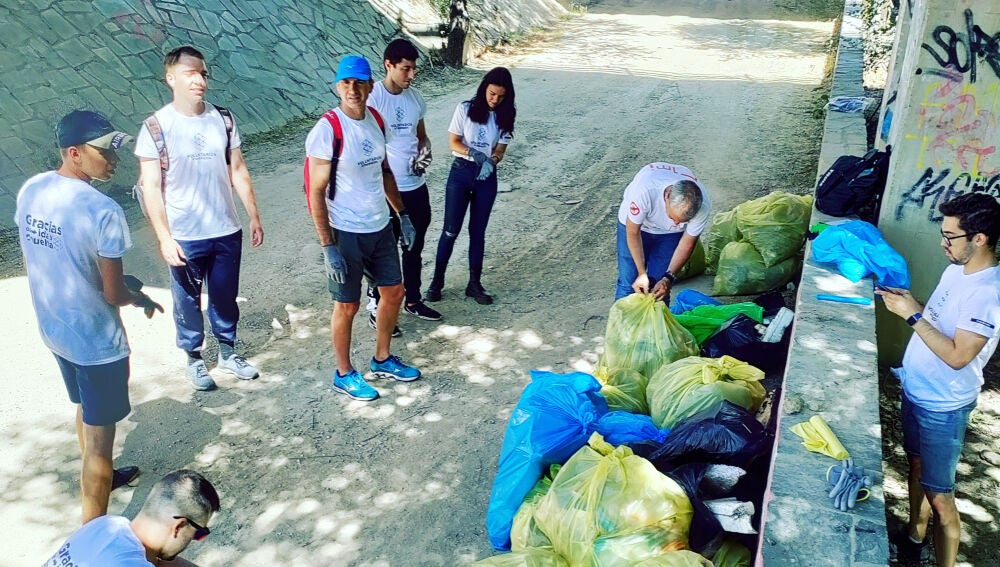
column 955, row 335
column 175, row 513
column 73, row 238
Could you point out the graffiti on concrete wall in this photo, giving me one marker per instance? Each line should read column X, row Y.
column 955, row 139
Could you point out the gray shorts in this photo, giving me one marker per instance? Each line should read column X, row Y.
column 374, row 255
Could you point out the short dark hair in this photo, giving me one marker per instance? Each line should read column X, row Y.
column 181, row 493
column 976, row 213
column 173, row 56
column 399, row 49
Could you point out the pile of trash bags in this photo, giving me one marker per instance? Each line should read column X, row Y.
column 757, row 245
column 640, row 463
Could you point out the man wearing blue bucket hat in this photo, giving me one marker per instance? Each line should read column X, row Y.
column 348, row 181
column 73, row 238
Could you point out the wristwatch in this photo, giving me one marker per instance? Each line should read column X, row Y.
column 912, row 319
column 670, row 277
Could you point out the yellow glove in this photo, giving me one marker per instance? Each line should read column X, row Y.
column 819, row 438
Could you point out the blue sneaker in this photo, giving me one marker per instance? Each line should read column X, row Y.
column 354, row 386
column 394, row 368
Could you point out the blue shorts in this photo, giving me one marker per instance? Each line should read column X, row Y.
column 374, row 255
column 936, row 437
column 101, row 389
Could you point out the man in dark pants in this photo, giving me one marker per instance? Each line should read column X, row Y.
column 409, row 148
column 73, row 238
column 955, row 335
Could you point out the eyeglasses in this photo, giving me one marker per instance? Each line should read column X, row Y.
column 200, row 532
column 948, row 239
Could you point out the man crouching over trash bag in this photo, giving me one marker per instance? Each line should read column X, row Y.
column 664, row 210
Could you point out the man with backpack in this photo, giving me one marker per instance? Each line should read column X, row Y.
column 348, row 181
column 190, row 165
column 409, row 151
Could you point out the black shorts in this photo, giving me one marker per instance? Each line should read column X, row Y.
column 374, row 255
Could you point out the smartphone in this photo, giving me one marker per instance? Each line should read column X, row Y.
column 885, row 289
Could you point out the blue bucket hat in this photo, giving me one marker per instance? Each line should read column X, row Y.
column 89, row 127
column 354, row 67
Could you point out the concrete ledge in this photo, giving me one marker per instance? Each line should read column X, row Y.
column 831, row 372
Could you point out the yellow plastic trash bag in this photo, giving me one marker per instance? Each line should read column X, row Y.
column 524, row 533
column 683, row 558
column 694, row 384
column 722, row 231
column 605, row 492
column 731, row 553
column 819, row 438
column 695, row 266
column 623, row 388
column 643, row 335
column 775, row 224
column 742, row 271
column 535, row 557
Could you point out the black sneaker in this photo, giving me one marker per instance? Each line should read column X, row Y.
column 124, row 476
column 421, row 310
column 433, row 294
column 395, row 330
column 476, row 291
column 902, row 549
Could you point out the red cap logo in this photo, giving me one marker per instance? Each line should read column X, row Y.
column 633, row 209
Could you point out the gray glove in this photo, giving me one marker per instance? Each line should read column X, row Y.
column 420, row 162
column 848, row 481
column 479, row 157
column 407, row 233
column 485, row 170
column 336, row 266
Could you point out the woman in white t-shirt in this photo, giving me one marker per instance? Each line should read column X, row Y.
column 479, row 134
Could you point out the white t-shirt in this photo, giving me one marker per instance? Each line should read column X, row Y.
column 106, row 541
column 969, row 302
column 401, row 112
column 643, row 202
column 482, row 137
column 64, row 224
column 358, row 203
column 199, row 193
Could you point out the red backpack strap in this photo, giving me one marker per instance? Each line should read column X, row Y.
column 156, row 132
column 378, row 118
column 227, row 119
column 338, row 148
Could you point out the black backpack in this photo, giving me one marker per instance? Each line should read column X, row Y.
column 853, row 186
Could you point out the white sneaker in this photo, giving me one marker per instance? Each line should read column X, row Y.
column 776, row 329
column 238, row 366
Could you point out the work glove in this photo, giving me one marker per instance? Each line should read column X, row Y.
column 420, row 162
column 848, row 483
column 485, row 170
column 336, row 266
column 477, row 156
column 407, row 233
column 149, row 307
column 131, row 282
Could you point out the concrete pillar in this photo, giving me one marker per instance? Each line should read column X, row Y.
column 944, row 134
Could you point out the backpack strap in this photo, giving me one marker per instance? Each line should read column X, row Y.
column 156, row 132
column 378, row 118
column 338, row 148
column 227, row 119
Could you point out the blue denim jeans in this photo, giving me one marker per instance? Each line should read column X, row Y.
column 464, row 192
column 937, row 438
column 215, row 262
column 658, row 249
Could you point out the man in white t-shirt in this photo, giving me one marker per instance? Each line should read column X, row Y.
column 409, row 148
column 73, row 238
column 664, row 210
column 193, row 213
column 348, row 193
column 176, row 512
column 955, row 335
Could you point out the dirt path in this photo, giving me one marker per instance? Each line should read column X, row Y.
column 311, row 478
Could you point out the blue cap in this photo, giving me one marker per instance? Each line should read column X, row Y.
column 354, row 67
column 89, row 127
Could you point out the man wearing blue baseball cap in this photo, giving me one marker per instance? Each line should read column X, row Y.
column 348, row 181
column 73, row 234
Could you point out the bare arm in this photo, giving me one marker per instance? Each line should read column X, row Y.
column 319, row 179
column 423, row 141
column 115, row 291
column 633, row 238
column 498, row 152
column 240, row 176
column 390, row 187
column 957, row 352
column 681, row 255
column 152, row 199
column 456, row 144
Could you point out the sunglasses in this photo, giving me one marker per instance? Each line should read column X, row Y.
column 948, row 239
column 200, row 532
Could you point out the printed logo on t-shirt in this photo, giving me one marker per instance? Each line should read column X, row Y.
column 633, row 209
column 400, row 114
column 481, row 135
column 199, row 141
column 42, row 233
column 983, row 323
column 934, row 311
column 368, row 147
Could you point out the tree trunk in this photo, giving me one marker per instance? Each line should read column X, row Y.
column 458, row 31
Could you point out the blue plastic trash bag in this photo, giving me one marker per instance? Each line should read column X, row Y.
column 621, row 427
column 688, row 299
column 858, row 250
column 552, row 420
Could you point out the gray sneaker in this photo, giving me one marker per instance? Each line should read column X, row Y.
column 238, row 366
column 197, row 373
